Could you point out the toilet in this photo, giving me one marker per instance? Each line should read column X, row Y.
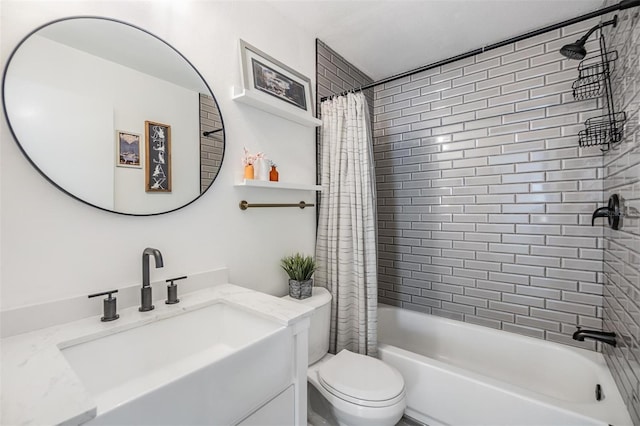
column 347, row 389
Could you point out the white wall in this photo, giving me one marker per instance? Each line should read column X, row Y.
column 54, row 247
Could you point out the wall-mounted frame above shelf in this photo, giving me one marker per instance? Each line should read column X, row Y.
column 257, row 100
column 274, row 87
column 278, row 185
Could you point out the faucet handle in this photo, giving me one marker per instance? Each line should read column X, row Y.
column 109, row 305
column 172, row 291
column 612, row 212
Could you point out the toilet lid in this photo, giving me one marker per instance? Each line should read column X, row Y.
column 361, row 379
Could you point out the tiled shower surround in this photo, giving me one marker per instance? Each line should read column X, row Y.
column 485, row 198
column 622, row 247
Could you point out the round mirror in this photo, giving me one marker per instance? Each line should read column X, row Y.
column 113, row 116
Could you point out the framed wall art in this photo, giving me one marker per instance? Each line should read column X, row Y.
column 128, row 149
column 274, row 83
column 158, row 157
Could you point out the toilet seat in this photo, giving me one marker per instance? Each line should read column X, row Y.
column 361, row 380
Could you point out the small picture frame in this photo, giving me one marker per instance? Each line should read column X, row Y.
column 272, row 79
column 128, row 149
column 158, row 157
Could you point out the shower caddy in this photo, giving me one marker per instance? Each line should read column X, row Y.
column 594, row 80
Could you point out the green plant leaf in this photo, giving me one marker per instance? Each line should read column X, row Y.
column 298, row 267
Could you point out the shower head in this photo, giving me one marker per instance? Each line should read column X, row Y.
column 576, row 50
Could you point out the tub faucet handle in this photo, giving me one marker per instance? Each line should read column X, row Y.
column 612, row 212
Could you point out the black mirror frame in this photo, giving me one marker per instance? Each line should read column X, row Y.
column 15, row 137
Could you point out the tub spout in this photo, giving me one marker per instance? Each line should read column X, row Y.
column 601, row 336
column 601, row 212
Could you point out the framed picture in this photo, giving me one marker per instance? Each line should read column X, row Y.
column 158, row 157
column 128, row 146
column 271, row 78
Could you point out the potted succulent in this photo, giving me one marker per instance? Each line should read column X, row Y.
column 300, row 269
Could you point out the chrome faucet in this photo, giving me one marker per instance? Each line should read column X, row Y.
column 601, row 336
column 145, row 292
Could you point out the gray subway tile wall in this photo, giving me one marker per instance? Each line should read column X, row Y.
column 622, row 247
column 485, row 198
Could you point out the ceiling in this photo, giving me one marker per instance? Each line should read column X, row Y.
column 387, row 37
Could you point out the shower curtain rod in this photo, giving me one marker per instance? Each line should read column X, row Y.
column 624, row 4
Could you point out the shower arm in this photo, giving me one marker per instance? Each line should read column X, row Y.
column 613, row 22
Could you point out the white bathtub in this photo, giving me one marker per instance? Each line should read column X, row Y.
column 463, row 374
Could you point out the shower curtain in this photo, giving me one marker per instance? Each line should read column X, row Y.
column 346, row 248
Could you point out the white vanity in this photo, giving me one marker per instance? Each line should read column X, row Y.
column 224, row 355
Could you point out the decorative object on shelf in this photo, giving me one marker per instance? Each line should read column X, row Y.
column 273, row 174
column 594, row 80
column 261, row 166
column 299, row 268
column 248, row 161
column 249, row 172
column 128, row 145
column 158, row 157
column 273, row 84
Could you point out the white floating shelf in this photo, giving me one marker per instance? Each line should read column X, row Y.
column 252, row 183
column 250, row 97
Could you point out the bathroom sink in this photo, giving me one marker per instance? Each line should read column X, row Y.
column 191, row 368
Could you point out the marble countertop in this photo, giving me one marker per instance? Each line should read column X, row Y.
column 38, row 385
